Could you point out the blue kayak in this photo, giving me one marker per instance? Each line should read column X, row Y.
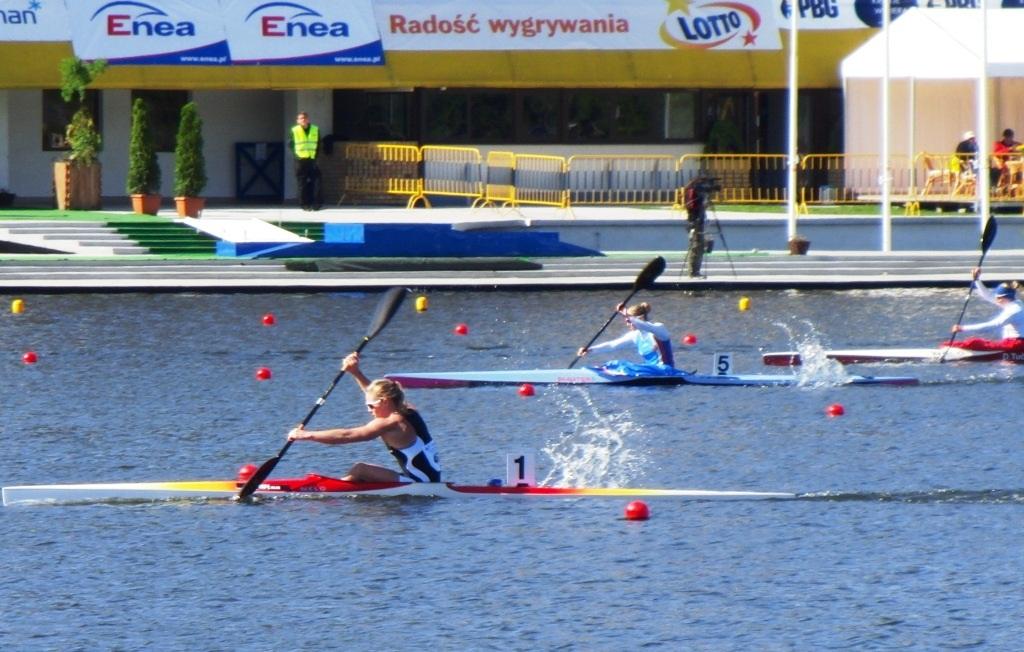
column 619, row 373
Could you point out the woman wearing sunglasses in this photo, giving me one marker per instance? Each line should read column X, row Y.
column 652, row 339
column 1010, row 319
column 397, row 424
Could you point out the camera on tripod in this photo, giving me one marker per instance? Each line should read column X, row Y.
column 705, row 185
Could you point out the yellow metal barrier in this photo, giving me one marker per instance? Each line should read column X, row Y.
column 404, row 161
column 620, row 180
column 500, row 186
column 853, row 178
column 510, row 179
column 540, row 180
column 744, row 178
column 369, row 171
column 452, row 171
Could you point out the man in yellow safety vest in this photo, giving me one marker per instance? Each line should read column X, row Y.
column 305, row 147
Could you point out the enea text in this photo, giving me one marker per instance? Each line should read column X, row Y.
column 279, row 26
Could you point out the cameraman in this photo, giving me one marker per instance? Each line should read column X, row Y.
column 696, row 197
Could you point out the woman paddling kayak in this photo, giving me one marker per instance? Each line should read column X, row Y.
column 397, row 424
column 1010, row 317
column 652, row 339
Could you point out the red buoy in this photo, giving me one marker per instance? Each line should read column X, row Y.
column 689, row 339
column 245, row 472
column 30, row 357
column 461, row 329
column 835, row 410
column 269, row 319
column 263, row 373
column 637, row 511
column 526, row 389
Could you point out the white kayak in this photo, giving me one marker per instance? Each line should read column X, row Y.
column 598, row 376
column 319, row 486
column 867, row 356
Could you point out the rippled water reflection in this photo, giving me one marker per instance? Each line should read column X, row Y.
column 908, row 537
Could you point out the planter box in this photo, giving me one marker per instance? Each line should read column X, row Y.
column 189, row 206
column 77, row 186
column 145, row 204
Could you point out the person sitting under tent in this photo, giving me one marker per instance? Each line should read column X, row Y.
column 967, row 151
column 1002, row 151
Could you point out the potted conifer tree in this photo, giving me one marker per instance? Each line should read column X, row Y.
column 77, row 177
column 143, row 181
column 189, row 164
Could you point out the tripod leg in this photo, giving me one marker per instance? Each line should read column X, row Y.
column 695, row 251
column 721, row 234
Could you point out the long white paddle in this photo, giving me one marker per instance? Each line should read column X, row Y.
column 988, row 234
column 386, row 308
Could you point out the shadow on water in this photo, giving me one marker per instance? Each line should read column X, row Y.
column 937, row 496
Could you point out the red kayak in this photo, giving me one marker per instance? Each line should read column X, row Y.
column 972, row 349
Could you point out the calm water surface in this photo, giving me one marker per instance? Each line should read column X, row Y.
column 908, row 537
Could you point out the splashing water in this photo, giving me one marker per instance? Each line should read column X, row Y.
column 595, row 453
column 817, row 369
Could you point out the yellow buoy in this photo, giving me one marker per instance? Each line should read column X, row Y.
column 421, row 304
column 744, row 304
column 18, row 306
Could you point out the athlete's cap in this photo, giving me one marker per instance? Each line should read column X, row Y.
column 1004, row 291
column 968, row 134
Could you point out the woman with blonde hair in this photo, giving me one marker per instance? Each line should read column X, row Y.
column 395, row 422
column 652, row 339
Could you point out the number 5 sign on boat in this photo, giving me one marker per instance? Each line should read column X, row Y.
column 723, row 364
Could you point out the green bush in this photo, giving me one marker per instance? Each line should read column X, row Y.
column 189, row 164
column 143, row 167
column 83, row 137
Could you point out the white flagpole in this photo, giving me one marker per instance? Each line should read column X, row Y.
column 792, row 160
column 886, row 167
column 984, row 139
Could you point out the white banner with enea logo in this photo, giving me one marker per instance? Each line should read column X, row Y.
column 239, row 32
column 161, row 32
column 312, row 32
column 578, row 25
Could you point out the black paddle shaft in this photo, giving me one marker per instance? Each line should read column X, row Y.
column 643, row 280
column 988, row 234
column 386, row 308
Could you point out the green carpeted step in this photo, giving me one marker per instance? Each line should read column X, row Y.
column 166, row 237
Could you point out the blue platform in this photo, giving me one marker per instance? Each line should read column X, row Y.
column 409, row 240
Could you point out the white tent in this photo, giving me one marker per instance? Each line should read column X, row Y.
column 934, row 62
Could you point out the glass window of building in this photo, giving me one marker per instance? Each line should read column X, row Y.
column 680, row 115
column 726, row 113
column 445, row 116
column 491, row 117
column 540, row 116
column 589, row 117
column 373, row 116
column 634, row 117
